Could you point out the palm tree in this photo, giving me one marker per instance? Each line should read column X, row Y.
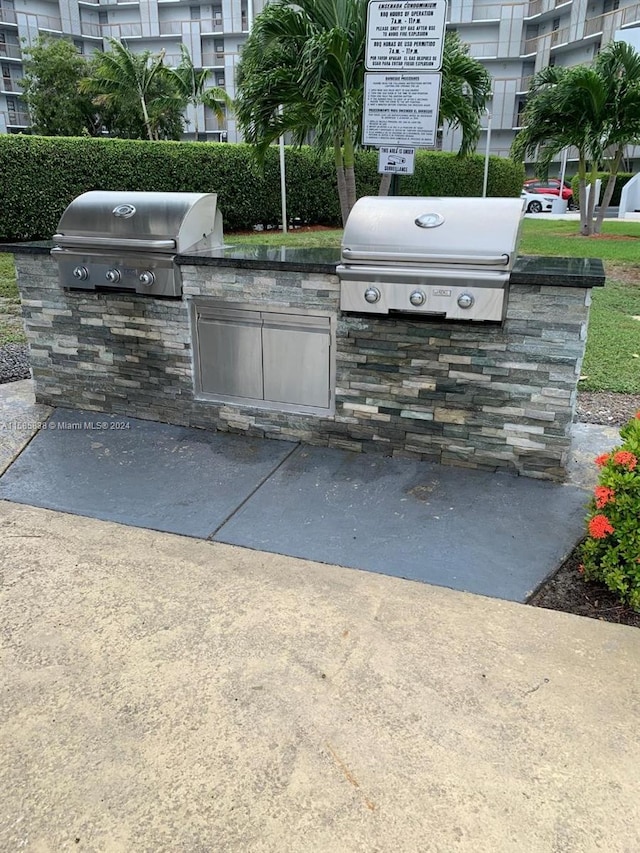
column 595, row 109
column 135, row 83
column 619, row 66
column 302, row 72
column 192, row 85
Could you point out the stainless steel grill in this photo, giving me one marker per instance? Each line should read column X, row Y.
column 127, row 240
column 450, row 257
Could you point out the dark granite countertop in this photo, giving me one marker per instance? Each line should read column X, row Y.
column 556, row 272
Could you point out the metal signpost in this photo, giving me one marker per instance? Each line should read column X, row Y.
column 405, row 42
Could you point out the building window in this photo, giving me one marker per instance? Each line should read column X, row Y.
column 79, row 45
column 218, row 46
column 610, row 6
column 552, row 60
column 220, row 80
column 195, row 13
column 597, row 47
column 555, row 24
column 103, row 17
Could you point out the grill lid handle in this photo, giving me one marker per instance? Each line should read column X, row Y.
column 112, row 242
column 484, row 260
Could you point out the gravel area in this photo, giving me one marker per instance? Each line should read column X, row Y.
column 606, row 408
column 14, row 363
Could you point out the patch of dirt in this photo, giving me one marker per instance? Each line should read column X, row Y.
column 627, row 273
column 616, row 237
column 606, row 408
column 567, row 591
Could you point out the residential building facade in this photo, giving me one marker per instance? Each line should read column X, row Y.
column 213, row 33
column 513, row 40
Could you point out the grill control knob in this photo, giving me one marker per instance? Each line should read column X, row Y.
column 112, row 276
column 417, row 298
column 81, row 273
column 147, row 278
column 465, row 300
column 372, row 294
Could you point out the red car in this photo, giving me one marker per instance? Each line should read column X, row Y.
column 551, row 187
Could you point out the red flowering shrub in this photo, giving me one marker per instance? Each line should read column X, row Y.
column 611, row 552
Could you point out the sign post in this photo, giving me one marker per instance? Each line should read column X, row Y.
column 404, row 48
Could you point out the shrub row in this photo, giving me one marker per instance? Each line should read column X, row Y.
column 42, row 175
column 621, row 180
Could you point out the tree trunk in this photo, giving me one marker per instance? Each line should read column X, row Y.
column 592, row 198
column 145, row 115
column 582, row 170
column 349, row 171
column 385, row 183
column 608, row 192
column 342, row 183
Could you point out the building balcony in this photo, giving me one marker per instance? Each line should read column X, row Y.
column 593, row 26
column 46, row 22
column 122, row 31
column 523, row 83
column 491, row 12
column 9, row 85
column 212, row 60
column 17, row 119
column 484, row 50
column 10, row 51
column 543, row 7
column 89, row 29
column 8, row 16
column 559, row 37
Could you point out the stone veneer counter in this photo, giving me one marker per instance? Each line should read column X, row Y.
column 481, row 395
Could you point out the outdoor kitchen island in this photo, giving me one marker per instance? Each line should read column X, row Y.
column 258, row 345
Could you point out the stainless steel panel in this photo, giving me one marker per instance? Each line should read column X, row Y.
column 188, row 219
column 117, row 243
column 393, row 275
column 230, row 353
column 488, row 303
column 296, row 359
column 167, row 280
column 426, row 260
column 393, row 227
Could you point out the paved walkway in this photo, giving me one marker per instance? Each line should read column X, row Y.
column 163, row 693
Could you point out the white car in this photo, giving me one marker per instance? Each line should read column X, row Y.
column 537, row 202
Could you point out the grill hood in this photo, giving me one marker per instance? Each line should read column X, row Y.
column 433, row 231
column 158, row 222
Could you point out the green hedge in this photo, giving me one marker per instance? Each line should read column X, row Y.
column 440, row 173
column 42, row 175
column 621, row 179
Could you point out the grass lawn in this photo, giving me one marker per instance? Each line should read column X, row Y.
column 612, row 360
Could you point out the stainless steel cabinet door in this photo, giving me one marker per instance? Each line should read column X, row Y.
column 230, row 352
column 296, row 359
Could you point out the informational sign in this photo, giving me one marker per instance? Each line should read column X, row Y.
column 401, row 109
column 406, row 35
column 396, row 160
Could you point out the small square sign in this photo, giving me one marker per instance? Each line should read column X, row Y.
column 396, row 160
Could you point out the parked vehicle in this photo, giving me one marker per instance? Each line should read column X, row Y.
column 550, row 187
column 536, row 203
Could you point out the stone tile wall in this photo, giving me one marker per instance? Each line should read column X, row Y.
column 480, row 396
